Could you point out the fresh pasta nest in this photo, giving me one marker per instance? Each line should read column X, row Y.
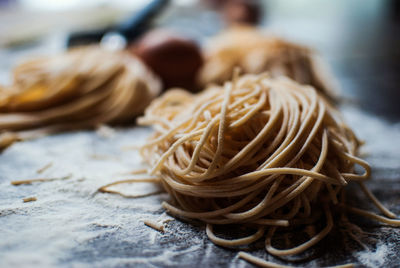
column 260, row 152
column 81, row 88
column 255, row 52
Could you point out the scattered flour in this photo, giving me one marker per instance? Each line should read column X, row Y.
column 375, row 258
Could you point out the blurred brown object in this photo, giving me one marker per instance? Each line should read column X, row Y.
column 242, row 11
column 256, row 52
column 82, row 88
column 174, row 58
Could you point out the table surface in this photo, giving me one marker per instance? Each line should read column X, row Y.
column 71, row 226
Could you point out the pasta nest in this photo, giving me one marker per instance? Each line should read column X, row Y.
column 81, row 88
column 259, row 152
column 255, row 52
column 257, row 148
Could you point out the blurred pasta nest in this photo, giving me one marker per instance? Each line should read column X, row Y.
column 255, row 52
column 81, row 88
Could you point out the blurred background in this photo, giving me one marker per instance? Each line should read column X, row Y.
column 360, row 39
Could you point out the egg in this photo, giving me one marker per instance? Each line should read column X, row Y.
column 174, row 58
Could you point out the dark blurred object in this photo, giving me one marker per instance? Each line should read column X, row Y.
column 242, row 11
column 174, row 58
column 395, row 9
column 238, row 11
column 86, row 37
column 131, row 29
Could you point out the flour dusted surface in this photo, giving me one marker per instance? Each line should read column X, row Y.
column 71, row 226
